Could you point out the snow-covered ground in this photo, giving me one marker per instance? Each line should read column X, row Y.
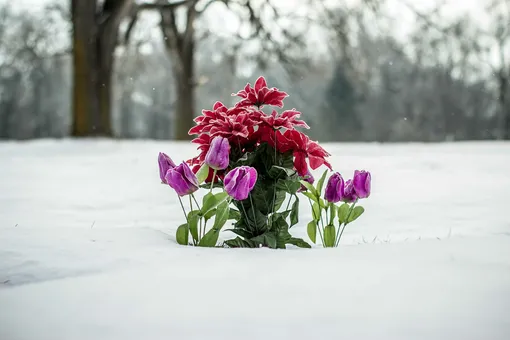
column 87, row 251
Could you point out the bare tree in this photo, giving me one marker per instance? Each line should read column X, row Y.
column 95, row 31
column 279, row 35
column 30, row 58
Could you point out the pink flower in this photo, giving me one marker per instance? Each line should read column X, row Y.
column 205, row 122
column 260, row 95
column 232, row 126
column 218, row 155
column 362, row 183
column 240, row 181
column 287, row 119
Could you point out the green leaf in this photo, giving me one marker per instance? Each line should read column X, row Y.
column 182, row 234
column 311, row 230
column 310, row 195
column 310, row 188
column 329, row 236
column 281, row 229
column 210, row 238
column 280, row 172
column 210, row 214
column 211, row 201
column 262, row 197
column 240, row 243
column 193, row 217
column 215, row 185
column 256, row 220
column 274, row 217
column 247, row 159
column 288, row 185
column 202, row 173
column 298, row 243
column 320, row 183
column 241, row 232
column 221, row 216
column 323, row 203
column 234, row 214
column 343, row 211
column 294, row 213
column 266, row 240
column 356, row 212
column 316, row 212
column 280, row 198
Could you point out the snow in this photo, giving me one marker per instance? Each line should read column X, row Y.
column 87, row 251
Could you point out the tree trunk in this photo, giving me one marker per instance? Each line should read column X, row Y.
column 180, row 47
column 504, row 105
column 94, row 41
column 185, row 106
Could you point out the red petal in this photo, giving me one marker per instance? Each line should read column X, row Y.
column 260, row 83
column 218, row 105
column 300, row 163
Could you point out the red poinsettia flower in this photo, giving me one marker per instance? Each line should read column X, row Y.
column 287, row 119
column 260, row 95
column 232, row 126
column 204, row 122
column 302, row 148
column 204, row 143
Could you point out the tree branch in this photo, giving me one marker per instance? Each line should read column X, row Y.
column 163, row 5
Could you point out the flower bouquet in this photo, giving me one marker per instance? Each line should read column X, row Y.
column 251, row 165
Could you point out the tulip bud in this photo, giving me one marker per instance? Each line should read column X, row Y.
column 349, row 195
column 182, row 179
column 334, row 188
column 165, row 163
column 362, row 183
column 240, row 181
column 218, row 155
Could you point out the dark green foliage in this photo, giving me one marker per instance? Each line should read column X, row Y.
column 259, row 224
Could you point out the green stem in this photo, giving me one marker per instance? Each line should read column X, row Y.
column 275, row 181
column 212, row 181
column 198, row 207
column 185, row 216
column 194, row 199
column 320, row 233
column 331, row 213
column 191, row 207
column 245, row 214
column 345, row 224
column 253, row 210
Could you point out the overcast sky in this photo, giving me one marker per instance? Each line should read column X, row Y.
column 401, row 26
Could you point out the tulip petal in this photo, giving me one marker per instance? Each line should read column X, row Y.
column 231, row 180
column 242, row 190
column 190, row 175
column 252, row 175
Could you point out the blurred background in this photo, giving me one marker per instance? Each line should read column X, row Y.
column 358, row 70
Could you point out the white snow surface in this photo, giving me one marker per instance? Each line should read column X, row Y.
column 87, row 250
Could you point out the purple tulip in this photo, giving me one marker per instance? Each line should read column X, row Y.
column 349, row 194
column 240, row 181
column 217, row 156
column 165, row 163
column 334, row 188
column 337, row 190
column 182, row 179
column 362, row 183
